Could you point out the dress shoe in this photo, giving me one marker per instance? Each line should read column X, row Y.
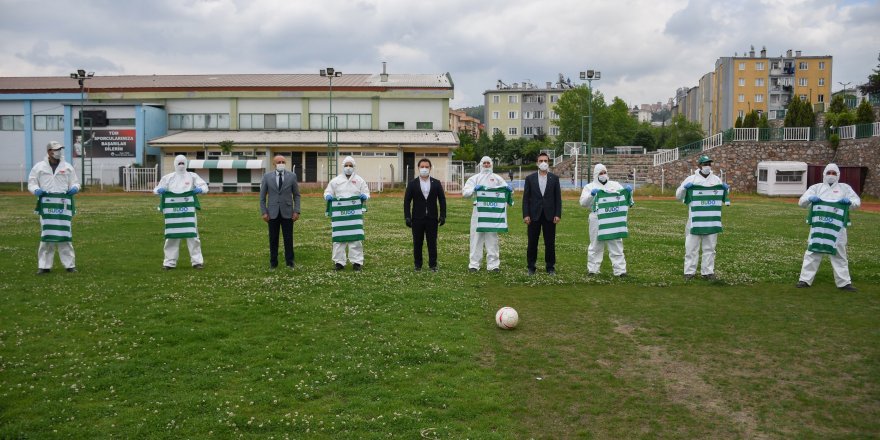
column 338, row 267
column 357, row 267
column 801, row 285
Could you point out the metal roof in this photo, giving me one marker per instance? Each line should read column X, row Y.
column 308, row 137
column 293, row 82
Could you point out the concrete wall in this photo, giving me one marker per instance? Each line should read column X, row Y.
column 739, row 161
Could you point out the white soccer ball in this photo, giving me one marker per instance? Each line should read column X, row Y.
column 506, row 318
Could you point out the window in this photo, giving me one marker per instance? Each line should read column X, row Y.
column 554, row 115
column 788, row 176
column 759, row 65
column 198, row 121
column 741, row 98
column 281, row 121
column 742, row 66
column 554, row 131
column 527, row 115
column 821, row 65
column 802, row 82
column 512, row 99
column 780, row 114
column 344, row 121
column 496, row 130
column 511, row 115
column 742, row 82
column 759, row 82
column 395, row 125
column 215, row 175
column 511, row 131
column 496, row 99
column 803, row 97
column 496, row 115
column 762, row 175
column 554, row 98
column 528, row 131
column 539, row 114
column 774, row 65
column 802, row 65
column 741, row 113
column 821, row 81
column 424, row 125
column 821, row 98
column 759, row 98
column 11, row 123
column 48, row 122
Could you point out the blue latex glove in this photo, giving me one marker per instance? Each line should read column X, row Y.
column 328, row 198
column 73, row 190
column 509, row 186
column 814, row 199
column 160, row 191
column 479, row 188
column 197, row 190
column 364, row 197
column 38, row 192
column 725, row 186
column 594, row 191
column 845, row 201
column 628, row 188
column 688, row 185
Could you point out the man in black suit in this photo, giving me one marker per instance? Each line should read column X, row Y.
column 423, row 194
column 542, row 210
column 279, row 204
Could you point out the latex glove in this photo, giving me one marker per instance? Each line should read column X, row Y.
column 814, row 199
column 594, row 191
column 160, row 191
column 38, row 192
column 73, row 190
column 725, row 186
column 364, row 197
column 628, row 187
column 845, row 201
column 509, row 186
column 408, row 222
column 479, row 188
column 688, row 185
column 197, row 190
column 328, row 198
column 442, row 221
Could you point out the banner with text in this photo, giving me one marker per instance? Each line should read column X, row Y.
column 106, row 143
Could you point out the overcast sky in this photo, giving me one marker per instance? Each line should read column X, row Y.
column 645, row 49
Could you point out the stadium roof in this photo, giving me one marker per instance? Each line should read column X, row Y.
column 308, row 137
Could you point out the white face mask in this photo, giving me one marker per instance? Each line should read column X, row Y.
column 348, row 170
column 603, row 178
column 543, row 166
column 424, row 172
column 705, row 169
column 280, row 167
column 181, row 167
column 487, row 170
column 830, row 179
column 56, row 154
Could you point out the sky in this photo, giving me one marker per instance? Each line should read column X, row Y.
column 645, row 49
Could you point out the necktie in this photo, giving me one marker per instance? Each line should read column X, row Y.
column 280, row 180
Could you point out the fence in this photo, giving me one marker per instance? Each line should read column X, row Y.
column 139, row 179
column 859, row 131
column 666, row 156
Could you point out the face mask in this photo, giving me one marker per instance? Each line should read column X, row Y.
column 424, row 172
column 181, row 167
column 543, row 166
column 56, row 154
column 706, row 169
column 830, row 179
column 603, row 178
column 280, row 167
column 487, row 170
column 348, row 170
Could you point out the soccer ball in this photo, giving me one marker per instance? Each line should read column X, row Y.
column 506, row 318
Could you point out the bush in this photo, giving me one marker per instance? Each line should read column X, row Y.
column 834, row 140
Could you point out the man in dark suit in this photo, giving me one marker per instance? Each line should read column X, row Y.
column 423, row 194
column 542, row 210
column 279, row 203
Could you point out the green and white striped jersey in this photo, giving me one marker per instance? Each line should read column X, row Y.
column 179, row 210
column 491, row 206
column 347, row 218
column 56, row 211
column 704, row 206
column 826, row 220
column 612, row 210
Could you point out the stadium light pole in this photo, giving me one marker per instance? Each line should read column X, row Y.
column 81, row 76
column 589, row 76
column 332, row 147
column 845, row 85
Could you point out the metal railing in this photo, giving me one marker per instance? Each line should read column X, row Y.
column 666, row 156
column 858, row 131
column 136, row 179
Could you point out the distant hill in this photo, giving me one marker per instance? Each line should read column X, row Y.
column 474, row 112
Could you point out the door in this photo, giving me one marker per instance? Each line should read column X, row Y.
column 409, row 166
column 311, row 169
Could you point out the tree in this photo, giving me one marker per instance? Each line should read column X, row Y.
column 681, row 132
column 872, row 87
column 751, row 119
column 466, row 145
column 763, row 121
column 572, row 109
column 482, row 147
column 865, row 113
column 497, row 145
column 799, row 114
column 619, row 126
column 644, row 137
column 738, row 123
column 226, row 146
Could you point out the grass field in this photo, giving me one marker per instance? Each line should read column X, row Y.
column 124, row 350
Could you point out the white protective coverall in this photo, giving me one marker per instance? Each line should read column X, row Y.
column 181, row 181
column 479, row 240
column 596, row 250
column 61, row 180
column 839, row 262
column 348, row 186
column 693, row 243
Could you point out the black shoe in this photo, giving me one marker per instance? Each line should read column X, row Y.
column 71, row 270
column 531, row 272
column 551, row 271
column 623, row 275
column 592, row 274
column 43, row 271
column 198, row 266
column 472, row 269
column 273, row 267
column 167, row 267
column 291, row 266
column 801, row 285
column 356, row 267
column 496, row 270
column 338, row 267
column 710, row 277
column 418, row 269
column 849, row 288
column 689, row 276
column 433, row 268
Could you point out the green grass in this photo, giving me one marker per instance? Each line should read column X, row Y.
column 124, row 350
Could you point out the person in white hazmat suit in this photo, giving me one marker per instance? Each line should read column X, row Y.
column 478, row 240
column 54, row 176
column 596, row 250
column 347, row 185
column 182, row 181
column 829, row 190
column 703, row 176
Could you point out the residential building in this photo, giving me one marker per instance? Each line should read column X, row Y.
column 523, row 110
column 459, row 121
column 704, row 102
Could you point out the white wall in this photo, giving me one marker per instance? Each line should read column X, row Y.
column 275, row 105
column 341, row 105
column 410, row 111
column 197, row 105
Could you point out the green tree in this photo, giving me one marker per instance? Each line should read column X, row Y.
column 799, row 114
column 865, row 113
column 572, row 109
column 738, row 123
column 872, row 87
column 751, row 119
column 483, row 145
column 838, row 105
column 763, row 121
column 644, row 137
column 497, row 145
column 619, row 126
column 682, row 132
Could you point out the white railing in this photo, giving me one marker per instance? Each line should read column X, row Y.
column 745, row 134
column 139, row 179
column 629, row 150
column 876, row 129
column 665, row 156
column 796, row 134
column 847, row 132
column 716, row 140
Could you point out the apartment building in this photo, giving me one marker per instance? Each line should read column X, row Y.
column 523, row 109
column 459, row 121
